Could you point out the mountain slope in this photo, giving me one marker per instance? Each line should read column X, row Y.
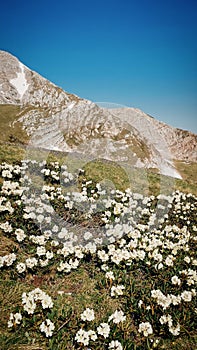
column 20, row 85
column 40, row 114
column 181, row 143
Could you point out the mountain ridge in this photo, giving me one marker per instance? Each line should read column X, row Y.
column 173, row 136
column 57, row 120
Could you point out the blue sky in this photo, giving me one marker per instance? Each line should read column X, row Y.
column 140, row 54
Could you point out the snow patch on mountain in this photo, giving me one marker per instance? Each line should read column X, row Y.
column 169, row 170
column 57, row 120
column 152, row 131
column 20, row 82
column 71, row 105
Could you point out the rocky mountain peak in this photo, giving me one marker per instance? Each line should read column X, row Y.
column 21, row 85
column 57, row 120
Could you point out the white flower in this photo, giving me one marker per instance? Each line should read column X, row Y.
column 169, row 260
column 117, row 290
column 55, row 228
column 49, row 255
column 102, row 255
column 37, row 293
column 54, row 243
column 88, row 315
column 108, row 213
column 79, row 253
column 117, row 256
column 118, row 208
column 90, row 247
column 146, row 328
column 30, row 305
column 41, row 251
column 175, row 300
column 10, row 321
column 2, row 259
column 64, row 266
column 104, row 330
column 186, row 295
column 115, row 345
column 166, row 319
column 29, row 300
column 87, row 236
column 92, row 335
column 43, row 263
column 37, row 239
column 82, row 337
column 18, row 317
column 117, row 317
column 46, row 301
column 110, row 275
column 187, row 259
column 47, row 327
column 48, row 219
column 176, row 280
column 40, row 218
column 14, row 319
column 161, row 299
column 31, row 262
column 175, row 330
column 6, row 227
column 21, row 267
column 160, row 266
column 8, row 259
column 194, row 262
column 104, row 267
column 20, row 235
column 6, row 173
column 74, row 263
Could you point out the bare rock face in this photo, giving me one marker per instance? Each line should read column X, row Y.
column 20, row 85
column 181, row 144
column 57, row 120
column 9, row 68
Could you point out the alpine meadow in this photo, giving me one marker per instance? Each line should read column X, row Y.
column 98, row 227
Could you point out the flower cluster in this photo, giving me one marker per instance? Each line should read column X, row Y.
column 145, row 328
column 84, row 337
column 14, row 319
column 175, row 330
column 47, row 327
column 7, row 260
column 88, row 315
column 143, row 247
column 30, row 301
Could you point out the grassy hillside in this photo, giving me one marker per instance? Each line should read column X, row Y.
column 10, row 129
column 188, row 171
column 13, row 141
column 146, row 181
column 115, row 271
column 136, row 293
